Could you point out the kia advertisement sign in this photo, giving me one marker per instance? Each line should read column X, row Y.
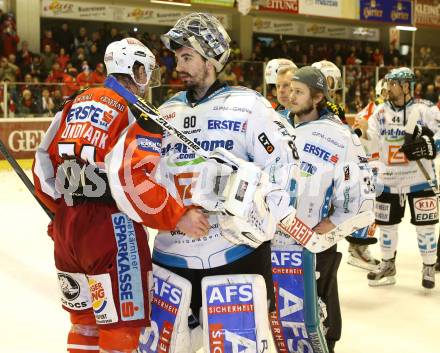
column 23, row 136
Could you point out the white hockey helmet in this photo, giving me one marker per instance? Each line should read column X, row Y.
column 121, row 56
column 331, row 73
column 203, row 33
column 380, row 86
column 275, row 65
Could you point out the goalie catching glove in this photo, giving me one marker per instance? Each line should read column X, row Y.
column 249, row 205
column 419, row 145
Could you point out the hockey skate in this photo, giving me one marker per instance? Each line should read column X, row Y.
column 384, row 274
column 428, row 276
column 360, row 257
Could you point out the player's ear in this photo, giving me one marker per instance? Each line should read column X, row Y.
column 317, row 98
column 209, row 65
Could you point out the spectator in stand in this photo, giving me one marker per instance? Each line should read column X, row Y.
column 391, row 54
column 236, row 68
column 227, row 76
column 70, row 86
column 78, row 58
column 115, row 34
column 352, row 59
column 82, row 40
column 9, row 38
column 27, row 105
column 94, row 57
column 63, row 58
column 437, row 83
column 235, row 51
column 377, row 57
column 7, row 71
column 167, row 60
column 56, row 74
column 418, row 91
column 48, row 59
column 64, row 38
column 96, row 39
column 57, row 98
column 29, row 83
column 153, row 41
column 174, row 80
column 45, row 105
column 295, row 53
column 12, row 59
column 49, row 40
column 84, row 78
column 396, row 62
column 164, row 74
column 357, row 104
column 430, row 94
column 257, row 53
column 11, row 106
column 36, row 69
column 24, row 57
column 98, row 75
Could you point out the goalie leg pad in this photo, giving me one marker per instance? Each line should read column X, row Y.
column 169, row 331
column 235, row 314
column 296, row 322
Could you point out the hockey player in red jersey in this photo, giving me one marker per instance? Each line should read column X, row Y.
column 101, row 254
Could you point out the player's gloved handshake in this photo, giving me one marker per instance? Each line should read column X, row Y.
column 420, row 144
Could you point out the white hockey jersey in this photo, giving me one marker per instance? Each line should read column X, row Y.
column 244, row 123
column 386, row 134
column 334, row 172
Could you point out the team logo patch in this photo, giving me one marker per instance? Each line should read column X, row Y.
column 74, row 290
column 264, row 140
column 128, row 266
column 69, row 287
column 149, row 144
column 102, row 299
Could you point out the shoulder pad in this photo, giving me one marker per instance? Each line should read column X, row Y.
column 69, row 100
column 332, row 117
column 144, row 121
column 424, row 102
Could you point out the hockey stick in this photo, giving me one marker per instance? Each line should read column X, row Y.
column 292, row 226
column 24, row 178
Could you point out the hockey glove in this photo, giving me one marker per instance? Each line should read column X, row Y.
column 418, row 148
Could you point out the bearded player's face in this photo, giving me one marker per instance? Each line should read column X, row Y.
column 191, row 67
column 301, row 102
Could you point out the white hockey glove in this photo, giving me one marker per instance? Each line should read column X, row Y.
column 249, row 204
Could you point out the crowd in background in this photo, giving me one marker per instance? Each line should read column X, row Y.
column 37, row 83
